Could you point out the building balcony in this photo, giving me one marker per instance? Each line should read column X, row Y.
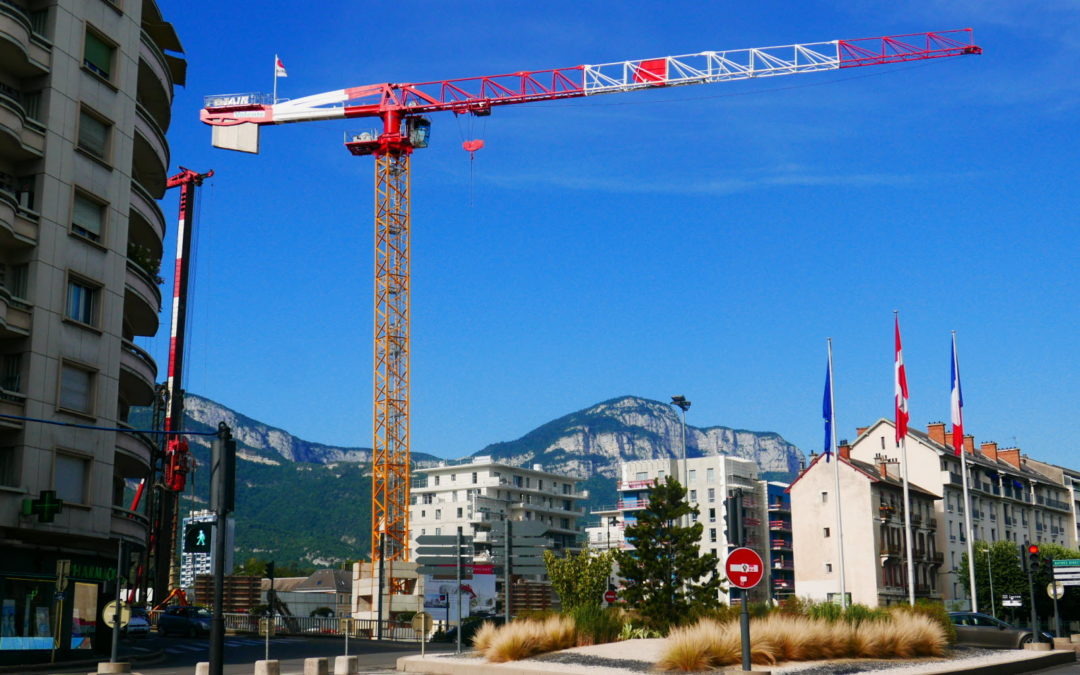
column 135, row 446
column 11, row 403
column 142, row 301
column 150, row 158
column 18, row 227
column 22, row 51
column 636, row 484
column 21, row 138
column 889, row 550
column 14, row 315
column 129, row 525
column 155, row 86
column 138, row 374
column 779, row 526
column 146, row 224
column 632, row 504
column 783, row 565
column 780, row 544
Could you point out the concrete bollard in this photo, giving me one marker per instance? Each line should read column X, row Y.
column 1063, row 643
column 270, row 667
column 1037, row 647
column 316, row 666
column 112, row 668
column 202, row 668
column 1075, row 637
column 345, row 665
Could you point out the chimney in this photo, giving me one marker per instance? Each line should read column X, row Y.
column 988, row 449
column 859, row 431
column 882, row 465
column 1010, row 455
column 969, row 444
column 844, row 448
column 936, row 431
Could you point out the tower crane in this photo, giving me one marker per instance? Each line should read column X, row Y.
column 401, row 107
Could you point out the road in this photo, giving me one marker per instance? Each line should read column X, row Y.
column 241, row 652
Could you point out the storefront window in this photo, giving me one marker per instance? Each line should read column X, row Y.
column 26, row 614
column 84, row 616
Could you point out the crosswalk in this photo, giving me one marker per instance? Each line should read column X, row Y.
column 235, row 642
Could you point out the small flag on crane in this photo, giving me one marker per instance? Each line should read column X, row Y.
column 279, row 67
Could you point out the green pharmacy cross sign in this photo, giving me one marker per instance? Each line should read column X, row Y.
column 46, row 506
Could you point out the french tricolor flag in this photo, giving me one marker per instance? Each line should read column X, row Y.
column 957, row 404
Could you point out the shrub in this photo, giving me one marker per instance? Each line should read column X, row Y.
column 826, row 611
column 856, row 614
column 596, row 626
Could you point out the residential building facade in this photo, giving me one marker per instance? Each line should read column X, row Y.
column 476, row 495
column 871, row 518
column 708, row 480
column 86, row 90
column 1010, row 501
column 781, row 547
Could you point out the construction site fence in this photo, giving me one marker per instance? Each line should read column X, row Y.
column 361, row 629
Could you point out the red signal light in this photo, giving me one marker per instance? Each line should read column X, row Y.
column 1033, row 549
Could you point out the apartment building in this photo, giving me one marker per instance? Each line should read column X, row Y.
column 708, row 480
column 1010, row 500
column 871, row 515
column 86, row 89
column 781, row 547
column 475, row 495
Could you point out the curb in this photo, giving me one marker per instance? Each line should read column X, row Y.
column 429, row 666
column 147, row 659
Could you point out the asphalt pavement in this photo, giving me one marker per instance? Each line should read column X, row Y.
column 156, row 655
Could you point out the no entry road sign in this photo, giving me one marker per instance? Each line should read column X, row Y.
column 744, row 568
column 610, row 597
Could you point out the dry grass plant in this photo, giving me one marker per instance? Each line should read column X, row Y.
column 712, row 644
column 484, row 636
column 522, row 639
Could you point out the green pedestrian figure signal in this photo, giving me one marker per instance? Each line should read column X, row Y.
column 198, row 537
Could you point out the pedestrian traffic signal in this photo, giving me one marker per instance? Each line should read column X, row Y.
column 197, row 537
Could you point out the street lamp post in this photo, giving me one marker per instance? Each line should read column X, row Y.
column 682, row 404
column 990, row 572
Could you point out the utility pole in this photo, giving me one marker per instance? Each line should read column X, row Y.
column 222, row 501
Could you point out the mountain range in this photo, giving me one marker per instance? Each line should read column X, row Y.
column 278, row 473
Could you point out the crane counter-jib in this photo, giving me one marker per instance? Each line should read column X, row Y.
column 478, row 95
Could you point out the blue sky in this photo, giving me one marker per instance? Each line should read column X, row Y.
column 701, row 240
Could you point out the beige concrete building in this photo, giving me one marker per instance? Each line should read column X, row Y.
column 875, row 562
column 86, row 88
column 709, row 480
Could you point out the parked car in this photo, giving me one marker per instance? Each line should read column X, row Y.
column 982, row 630
column 138, row 625
column 184, row 620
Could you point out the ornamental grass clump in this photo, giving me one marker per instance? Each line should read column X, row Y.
column 522, row 639
column 779, row 637
column 484, row 635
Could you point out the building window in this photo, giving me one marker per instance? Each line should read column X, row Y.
column 11, row 375
column 566, row 488
column 9, row 467
column 826, row 533
column 824, row 497
column 693, row 495
column 712, row 534
column 828, row 568
column 436, row 480
column 712, row 515
column 641, row 475
column 693, row 476
column 87, row 217
column 94, row 133
column 660, row 476
column 710, row 475
column 16, row 279
column 70, row 474
column 565, row 522
column 475, row 478
column 438, row 514
column 77, row 389
column 460, row 512
column 712, row 495
column 82, row 302
column 98, row 54
column 438, row 531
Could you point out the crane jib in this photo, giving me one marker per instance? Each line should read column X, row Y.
column 478, row 95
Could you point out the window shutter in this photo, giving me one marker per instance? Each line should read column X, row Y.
column 98, row 55
column 75, row 389
column 93, row 135
column 87, row 215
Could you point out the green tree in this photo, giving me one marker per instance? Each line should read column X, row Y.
column 666, row 575
column 580, row 580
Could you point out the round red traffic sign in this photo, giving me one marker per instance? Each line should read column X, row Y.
column 744, row 568
column 610, row 597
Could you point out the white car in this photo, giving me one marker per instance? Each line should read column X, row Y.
column 138, row 625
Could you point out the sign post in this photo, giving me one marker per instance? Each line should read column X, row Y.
column 744, row 570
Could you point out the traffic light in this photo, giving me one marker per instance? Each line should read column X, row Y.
column 197, row 537
column 734, row 529
column 1034, row 563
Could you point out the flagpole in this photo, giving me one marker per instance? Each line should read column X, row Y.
column 836, row 476
column 275, row 78
column 967, row 495
column 907, row 490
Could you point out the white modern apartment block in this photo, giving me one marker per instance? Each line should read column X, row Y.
column 86, row 90
column 1010, row 500
column 872, row 520
column 476, row 495
column 708, row 480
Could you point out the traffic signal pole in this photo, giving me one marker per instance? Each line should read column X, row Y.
column 222, row 496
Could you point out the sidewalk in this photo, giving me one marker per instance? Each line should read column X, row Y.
column 133, row 654
column 640, row 656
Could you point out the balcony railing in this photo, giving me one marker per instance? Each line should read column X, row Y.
column 637, row 484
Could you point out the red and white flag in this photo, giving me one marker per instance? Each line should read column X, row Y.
column 957, row 404
column 279, row 67
column 901, row 389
